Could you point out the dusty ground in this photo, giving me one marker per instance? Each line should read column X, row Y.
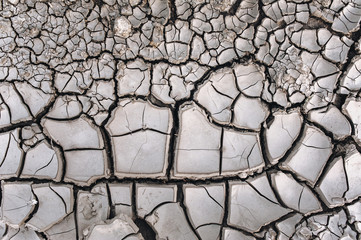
column 180, row 119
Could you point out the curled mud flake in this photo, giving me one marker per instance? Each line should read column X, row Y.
column 117, row 228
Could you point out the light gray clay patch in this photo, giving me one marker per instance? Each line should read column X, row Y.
column 282, row 133
column 198, row 147
column 309, row 157
column 241, row 152
column 43, row 162
column 121, row 195
column 332, row 120
column 169, row 221
column 145, row 127
column 150, row 197
column 205, row 205
column 352, row 109
column 11, row 154
column 65, row 229
column 92, row 207
column 118, row 228
column 294, row 194
column 18, row 202
column 182, row 119
column 253, row 204
column 55, row 203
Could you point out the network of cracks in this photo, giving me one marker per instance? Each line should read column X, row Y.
column 180, row 119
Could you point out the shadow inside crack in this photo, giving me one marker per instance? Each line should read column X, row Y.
column 146, row 230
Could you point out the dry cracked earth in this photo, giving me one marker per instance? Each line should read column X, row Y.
column 180, row 119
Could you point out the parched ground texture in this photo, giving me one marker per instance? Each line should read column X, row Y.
column 180, row 119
